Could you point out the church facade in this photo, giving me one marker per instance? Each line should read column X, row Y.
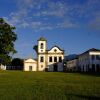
column 47, row 60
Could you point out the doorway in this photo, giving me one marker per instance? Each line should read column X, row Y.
column 55, row 68
column 93, row 67
column 97, row 68
column 30, row 68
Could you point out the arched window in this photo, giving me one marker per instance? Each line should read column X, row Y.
column 41, row 46
column 50, row 59
column 41, row 59
column 55, row 59
column 60, row 59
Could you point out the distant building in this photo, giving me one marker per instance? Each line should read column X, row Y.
column 89, row 61
column 47, row 60
column 71, row 65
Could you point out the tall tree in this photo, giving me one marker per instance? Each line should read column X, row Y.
column 18, row 63
column 35, row 48
column 7, row 39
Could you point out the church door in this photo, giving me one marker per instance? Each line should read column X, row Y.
column 55, row 68
column 97, row 68
column 30, row 68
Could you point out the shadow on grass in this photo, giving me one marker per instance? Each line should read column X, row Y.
column 89, row 97
column 90, row 74
column 97, row 74
column 82, row 97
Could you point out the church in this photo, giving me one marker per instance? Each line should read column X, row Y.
column 47, row 60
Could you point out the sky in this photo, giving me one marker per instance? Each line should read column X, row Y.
column 73, row 25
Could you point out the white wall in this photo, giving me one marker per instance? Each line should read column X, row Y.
column 86, row 61
column 26, row 66
column 51, row 64
column 95, row 61
column 2, row 67
column 72, row 65
column 30, row 62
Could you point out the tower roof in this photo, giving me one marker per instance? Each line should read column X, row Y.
column 42, row 39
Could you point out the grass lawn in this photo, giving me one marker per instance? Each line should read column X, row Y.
column 19, row 85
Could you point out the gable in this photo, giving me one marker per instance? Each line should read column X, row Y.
column 30, row 60
column 55, row 49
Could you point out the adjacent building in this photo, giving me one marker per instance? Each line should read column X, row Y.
column 89, row 61
column 72, row 64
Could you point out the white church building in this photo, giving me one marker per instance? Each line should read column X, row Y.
column 47, row 60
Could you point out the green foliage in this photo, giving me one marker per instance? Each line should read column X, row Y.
column 17, row 62
column 5, row 59
column 36, row 48
column 7, row 39
column 19, row 85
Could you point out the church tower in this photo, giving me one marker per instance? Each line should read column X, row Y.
column 41, row 54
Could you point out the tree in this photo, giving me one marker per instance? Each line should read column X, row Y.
column 35, row 48
column 7, row 39
column 18, row 63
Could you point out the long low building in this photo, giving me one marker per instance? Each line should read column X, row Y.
column 87, row 61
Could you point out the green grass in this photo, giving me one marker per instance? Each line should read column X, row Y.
column 18, row 85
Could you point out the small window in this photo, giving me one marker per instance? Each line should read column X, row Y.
column 41, row 45
column 55, row 59
column 97, row 57
column 50, row 59
column 60, row 59
column 92, row 57
column 41, row 59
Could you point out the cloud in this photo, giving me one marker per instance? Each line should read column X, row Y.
column 67, row 24
column 95, row 23
column 49, row 14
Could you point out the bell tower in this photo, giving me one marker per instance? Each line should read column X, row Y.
column 41, row 54
column 41, row 45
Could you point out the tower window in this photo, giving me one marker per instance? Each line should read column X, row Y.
column 50, row 59
column 41, row 59
column 41, row 46
column 97, row 57
column 60, row 59
column 55, row 59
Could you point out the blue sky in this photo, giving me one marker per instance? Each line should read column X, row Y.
column 73, row 25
